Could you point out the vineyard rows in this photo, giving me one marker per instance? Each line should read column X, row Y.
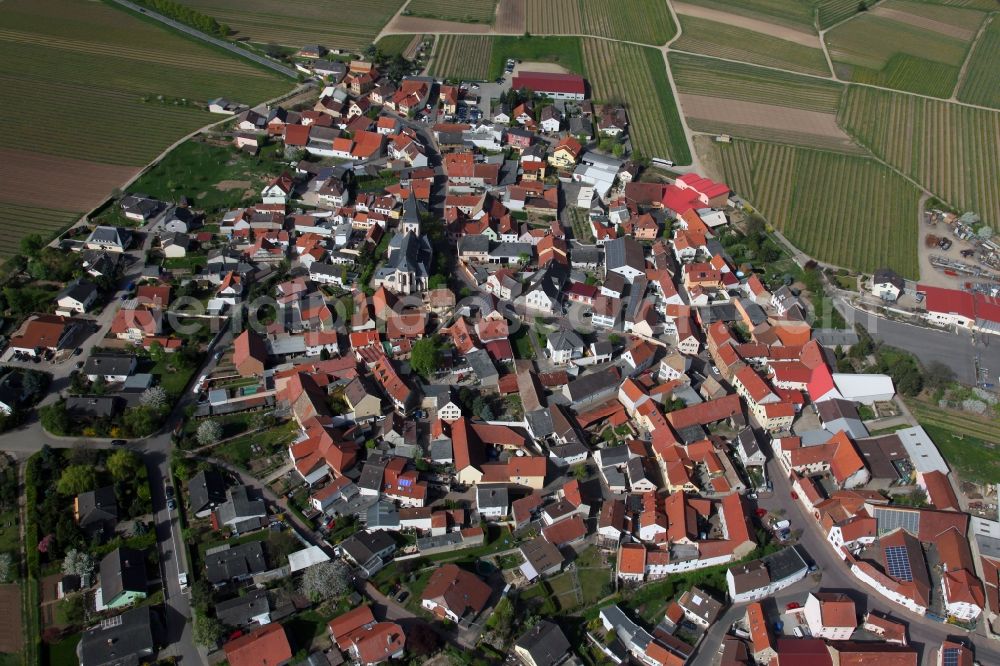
column 845, row 210
column 645, row 21
column 20, row 221
column 954, row 151
column 728, row 41
column 700, row 76
column 982, row 85
column 462, row 57
column 349, row 25
column 466, row 11
column 880, row 51
column 637, row 76
column 831, row 12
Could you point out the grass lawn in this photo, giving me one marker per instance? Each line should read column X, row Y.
column 63, row 652
column 305, row 627
column 172, row 380
column 194, row 168
column 10, row 540
column 239, row 452
column 7, row 659
column 968, row 444
column 191, row 263
column 522, row 345
column 563, row 51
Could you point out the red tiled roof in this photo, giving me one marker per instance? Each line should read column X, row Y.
column 266, row 646
column 540, row 82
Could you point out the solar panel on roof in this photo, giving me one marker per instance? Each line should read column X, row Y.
column 950, row 656
column 898, row 563
column 891, row 519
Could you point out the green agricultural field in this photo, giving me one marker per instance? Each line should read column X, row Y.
column 981, row 85
column 397, row 44
column 20, row 221
column 905, row 46
column 482, row 57
column 703, row 76
column 727, row 41
column 951, row 150
column 645, row 21
column 345, row 25
column 637, row 76
column 464, row 11
column 462, row 57
column 123, row 82
column 563, row 51
column 842, row 209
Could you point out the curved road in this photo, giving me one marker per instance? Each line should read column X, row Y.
column 221, row 43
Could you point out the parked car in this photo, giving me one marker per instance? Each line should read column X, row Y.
column 171, row 504
column 402, row 596
column 118, row 442
column 795, row 495
column 793, row 605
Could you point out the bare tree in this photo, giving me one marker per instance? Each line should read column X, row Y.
column 326, row 580
column 209, row 432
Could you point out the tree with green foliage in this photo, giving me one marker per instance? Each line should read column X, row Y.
column 207, row 630
column 123, row 465
column 76, row 479
column 140, row 421
column 31, row 245
column 425, row 358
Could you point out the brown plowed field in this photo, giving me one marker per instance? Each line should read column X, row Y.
column 63, row 183
column 11, row 634
column 510, row 17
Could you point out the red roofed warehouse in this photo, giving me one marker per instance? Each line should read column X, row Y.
column 556, row 86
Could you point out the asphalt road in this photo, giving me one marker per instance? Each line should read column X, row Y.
column 243, row 53
column 958, row 350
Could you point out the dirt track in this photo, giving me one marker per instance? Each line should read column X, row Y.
column 62, row 183
column 773, row 29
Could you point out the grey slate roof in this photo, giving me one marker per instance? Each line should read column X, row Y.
column 78, row 290
column 492, row 497
column 123, row 570
column 97, row 506
column 565, row 340
column 242, row 505
column 546, row 644
column 483, row 366
column 207, row 488
column 624, row 251
column 124, row 640
column 241, row 561
column 108, row 364
column 240, row 611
